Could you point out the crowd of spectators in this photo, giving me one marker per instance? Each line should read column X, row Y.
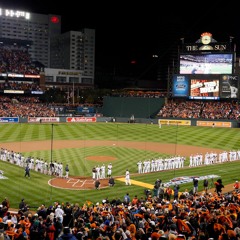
column 24, row 107
column 200, row 109
column 199, row 215
column 16, row 61
column 20, row 85
column 139, row 93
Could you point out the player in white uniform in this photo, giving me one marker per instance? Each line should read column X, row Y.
column 127, row 178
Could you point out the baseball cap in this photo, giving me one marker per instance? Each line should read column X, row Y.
column 152, row 223
column 161, row 232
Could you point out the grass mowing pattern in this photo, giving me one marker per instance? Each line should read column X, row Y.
column 36, row 191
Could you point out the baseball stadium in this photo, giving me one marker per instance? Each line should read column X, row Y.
column 157, row 148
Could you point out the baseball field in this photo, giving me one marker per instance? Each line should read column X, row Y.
column 85, row 145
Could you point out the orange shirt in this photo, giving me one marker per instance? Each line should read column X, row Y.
column 236, row 185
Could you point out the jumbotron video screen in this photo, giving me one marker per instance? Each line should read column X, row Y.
column 213, row 63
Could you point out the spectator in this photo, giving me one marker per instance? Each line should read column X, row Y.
column 236, row 185
column 172, row 234
column 185, row 194
column 3, row 235
column 59, row 213
column 67, row 235
column 168, row 193
column 135, row 200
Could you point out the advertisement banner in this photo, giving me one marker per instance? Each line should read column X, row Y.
column 214, row 124
column 174, row 122
column 9, row 120
column 14, row 91
column 81, row 119
column 43, row 119
column 85, row 110
column 180, row 87
column 230, row 86
column 204, row 88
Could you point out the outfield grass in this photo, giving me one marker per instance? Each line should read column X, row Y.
column 36, row 190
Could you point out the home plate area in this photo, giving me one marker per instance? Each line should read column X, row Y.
column 76, row 183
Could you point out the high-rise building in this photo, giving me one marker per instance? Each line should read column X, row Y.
column 75, row 51
column 31, row 30
column 40, row 35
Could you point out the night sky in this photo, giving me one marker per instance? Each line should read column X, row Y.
column 135, row 30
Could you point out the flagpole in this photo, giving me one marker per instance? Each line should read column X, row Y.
column 68, row 95
column 73, row 92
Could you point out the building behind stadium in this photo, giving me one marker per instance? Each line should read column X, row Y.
column 61, row 58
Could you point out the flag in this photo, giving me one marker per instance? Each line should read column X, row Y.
column 183, row 227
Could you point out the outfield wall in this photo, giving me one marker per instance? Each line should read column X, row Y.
column 161, row 121
column 177, row 121
column 125, row 107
